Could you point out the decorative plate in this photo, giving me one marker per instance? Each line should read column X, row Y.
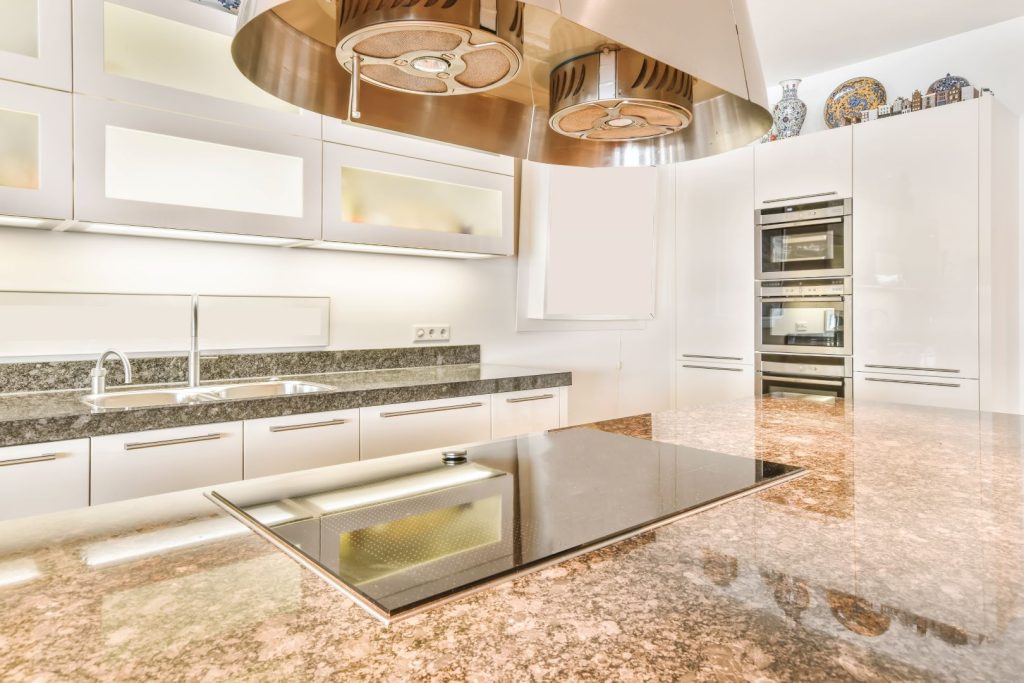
column 947, row 83
column 852, row 97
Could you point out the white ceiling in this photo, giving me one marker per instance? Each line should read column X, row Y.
column 798, row 38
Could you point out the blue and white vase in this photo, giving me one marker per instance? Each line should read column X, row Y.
column 790, row 112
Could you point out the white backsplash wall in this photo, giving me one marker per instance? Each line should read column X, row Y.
column 375, row 300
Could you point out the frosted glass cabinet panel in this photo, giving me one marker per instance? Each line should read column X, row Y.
column 140, row 166
column 376, row 198
column 35, row 42
column 35, row 151
column 174, row 56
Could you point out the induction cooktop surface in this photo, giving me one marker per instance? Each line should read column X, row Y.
column 403, row 533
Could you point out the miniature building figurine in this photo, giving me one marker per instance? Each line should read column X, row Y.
column 916, row 103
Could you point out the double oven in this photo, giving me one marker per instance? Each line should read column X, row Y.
column 804, row 310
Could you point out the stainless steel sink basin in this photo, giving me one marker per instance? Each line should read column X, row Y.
column 265, row 389
column 184, row 396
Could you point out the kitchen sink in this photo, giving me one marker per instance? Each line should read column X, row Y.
column 264, row 389
column 185, row 396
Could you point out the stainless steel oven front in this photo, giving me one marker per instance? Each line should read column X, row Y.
column 805, row 316
column 807, row 240
column 817, row 378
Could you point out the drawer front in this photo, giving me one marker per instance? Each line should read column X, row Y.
column 523, row 412
column 702, row 382
column 164, row 460
column 409, row 427
column 43, row 477
column 300, row 442
column 940, row 392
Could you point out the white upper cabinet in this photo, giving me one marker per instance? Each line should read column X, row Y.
column 141, row 166
column 715, row 258
column 174, row 56
column 35, row 151
column 35, row 42
column 804, row 169
column 916, row 231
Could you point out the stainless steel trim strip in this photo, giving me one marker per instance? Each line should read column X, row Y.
column 524, row 399
column 783, row 299
column 695, row 355
column 171, row 442
column 420, row 411
column 309, row 425
column 910, row 367
column 46, row 457
column 804, row 380
column 802, row 223
column 907, row 381
column 800, row 196
column 709, row 367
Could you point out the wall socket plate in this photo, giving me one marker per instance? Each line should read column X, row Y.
column 431, row 333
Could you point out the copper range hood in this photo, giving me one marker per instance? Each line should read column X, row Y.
column 575, row 82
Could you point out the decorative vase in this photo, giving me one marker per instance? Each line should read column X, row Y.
column 790, row 112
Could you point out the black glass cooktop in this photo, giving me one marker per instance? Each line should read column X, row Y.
column 397, row 534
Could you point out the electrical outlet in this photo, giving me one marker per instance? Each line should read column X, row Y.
column 431, row 333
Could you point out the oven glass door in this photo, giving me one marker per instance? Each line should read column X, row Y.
column 811, row 248
column 803, row 387
column 816, row 324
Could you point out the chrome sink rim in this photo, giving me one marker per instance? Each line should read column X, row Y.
column 197, row 395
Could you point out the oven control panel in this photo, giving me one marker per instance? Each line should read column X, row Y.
column 793, row 288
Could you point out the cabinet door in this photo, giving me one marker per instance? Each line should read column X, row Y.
column 409, row 427
column 803, row 169
column 706, row 383
column 715, row 250
column 370, row 197
column 141, row 166
column 35, row 151
column 35, row 42
column 174, row 56
column 43, row 477
column 163, row 460
column 300, row 442
column 941, row 392
column 915, row 239
column 525, row 412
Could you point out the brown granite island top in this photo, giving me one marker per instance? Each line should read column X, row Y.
column 900, row 556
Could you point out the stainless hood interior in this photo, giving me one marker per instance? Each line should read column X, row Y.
column 490, row 74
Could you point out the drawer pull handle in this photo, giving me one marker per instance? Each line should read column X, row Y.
column 46, row 457
column 694, row 355
column 421, row 411
column 800, row 196
column 909, row 367
column 172, row 442
column 907, row 381
column 308, row 425
column 708, row 367
column 524, row 399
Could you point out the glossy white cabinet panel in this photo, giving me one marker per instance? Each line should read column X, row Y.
column 915, row 232
column 276, row 445
column 715, row 251
column 35, row 42
column 409, row 427
column 525, row 412
column 43, row 477
column 163, row 460
column 940, row 392
column 804, row 169
column 139, row 166
column 707, row 382
column 35, row 151
column 174, row 56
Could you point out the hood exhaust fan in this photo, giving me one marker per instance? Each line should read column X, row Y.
column 518, row 77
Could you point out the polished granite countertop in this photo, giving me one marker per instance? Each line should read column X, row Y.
column 57, row 415
column 900, row 556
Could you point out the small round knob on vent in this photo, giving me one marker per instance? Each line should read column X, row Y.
column 454, row 457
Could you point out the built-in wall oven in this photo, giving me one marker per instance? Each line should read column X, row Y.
column 805, row 316
column 805, row 240
column 800, row 376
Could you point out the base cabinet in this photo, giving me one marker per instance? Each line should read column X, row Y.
column 44, row 477
column 276, row 445
column 409, row 427
column 704, row 383
column 525, row 412
column 939, row 392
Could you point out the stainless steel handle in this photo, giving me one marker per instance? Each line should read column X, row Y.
column 46, row 457
column 708, row 367
column 524, row 399
column 308, row 425
column 907, row 381
column 171, row 442
column 421, row 411
column 799, row 196
column 784, row 299
column 804, row 380
column 801, row 223
column 694, row 355
column 909, row 367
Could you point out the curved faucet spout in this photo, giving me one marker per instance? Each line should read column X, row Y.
column 99, row 373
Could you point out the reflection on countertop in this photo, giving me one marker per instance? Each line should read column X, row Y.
column 899, row 557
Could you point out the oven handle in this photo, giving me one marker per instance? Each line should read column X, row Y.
column 794, row 299
column 801, row 224
column 805, row 380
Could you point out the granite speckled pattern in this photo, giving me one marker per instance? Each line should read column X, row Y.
column 899, row 557
column 54, row 416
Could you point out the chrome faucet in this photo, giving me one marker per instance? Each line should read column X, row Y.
column 193, row 351
column 99, row 373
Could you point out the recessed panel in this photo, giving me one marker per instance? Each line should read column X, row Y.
column 19, row 149
column 19, row 27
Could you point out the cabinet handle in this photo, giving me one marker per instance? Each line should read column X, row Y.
column 46, row 457
column 694, row 355
column 907, row 381
column 909, row 367
column 524, row 399
column 171, row 442
column 799, row 196
column 708, row 367
column 308, row 425
column 421, row 411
